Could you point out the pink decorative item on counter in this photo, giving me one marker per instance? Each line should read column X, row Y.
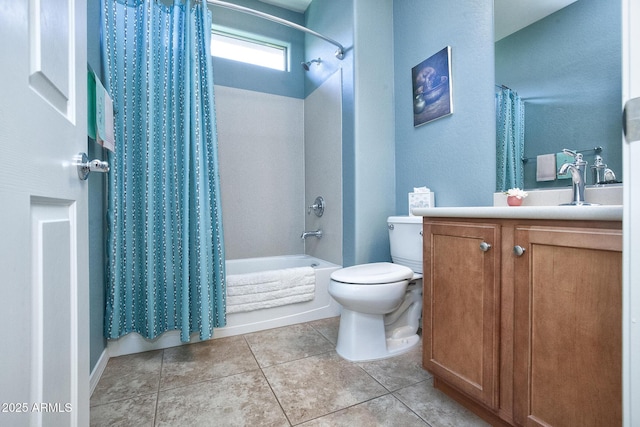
column 515, row 196
column 514, row 200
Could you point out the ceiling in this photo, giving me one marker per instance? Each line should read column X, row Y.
column 510, row 15
column 296, row 5
column 513, row 15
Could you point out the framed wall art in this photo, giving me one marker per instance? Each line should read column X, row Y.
column 432, row 95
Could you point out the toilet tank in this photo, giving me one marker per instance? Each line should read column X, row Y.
column 405, row 239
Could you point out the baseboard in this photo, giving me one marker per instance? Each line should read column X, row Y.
column 237, row 324
column 135, row 343
column 98, row 370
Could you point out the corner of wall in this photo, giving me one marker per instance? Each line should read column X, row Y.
column 454, row 155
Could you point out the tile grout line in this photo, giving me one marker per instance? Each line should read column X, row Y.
column 392, row 391
column 320, row 332
column 388, row 392
column 207, row 380
column 155, row 413
column 407, row 406
column 267, row 380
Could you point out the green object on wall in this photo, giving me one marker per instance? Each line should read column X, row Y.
column 562, row 158
column 91, row 104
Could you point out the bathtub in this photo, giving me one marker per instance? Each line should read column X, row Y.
column 322, row 306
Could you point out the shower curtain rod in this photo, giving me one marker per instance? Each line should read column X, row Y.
column 339, row 52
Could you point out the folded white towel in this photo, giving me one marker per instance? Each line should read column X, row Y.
column 546, row 167
column 269, row 281
column 266, row 296
column 265, row 289
column 268, row 304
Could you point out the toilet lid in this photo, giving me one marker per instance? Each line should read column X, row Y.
column 372, row 274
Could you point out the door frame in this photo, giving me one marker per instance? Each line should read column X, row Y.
column 631, row 222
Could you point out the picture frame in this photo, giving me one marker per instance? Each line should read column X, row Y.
column 432, row 88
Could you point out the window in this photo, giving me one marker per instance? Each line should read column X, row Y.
column 249, row 49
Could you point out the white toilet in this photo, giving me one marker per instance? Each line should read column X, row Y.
column 382, row 302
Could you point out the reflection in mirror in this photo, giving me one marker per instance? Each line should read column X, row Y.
column 509, row 139
column 566, row 68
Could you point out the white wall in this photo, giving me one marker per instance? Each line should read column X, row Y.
column 273, row 150
column 261, row 157
column 323, row 167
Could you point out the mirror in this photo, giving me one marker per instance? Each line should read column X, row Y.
column 566, row 67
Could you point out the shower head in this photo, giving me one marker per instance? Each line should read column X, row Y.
column 306, row 65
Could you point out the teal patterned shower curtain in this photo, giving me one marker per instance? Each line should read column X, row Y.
column 509, row 140
column 165, row 251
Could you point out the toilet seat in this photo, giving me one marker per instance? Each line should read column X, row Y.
column 372, row 274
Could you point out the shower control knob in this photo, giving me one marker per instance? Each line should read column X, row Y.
column 317, row 207
column 518, row 250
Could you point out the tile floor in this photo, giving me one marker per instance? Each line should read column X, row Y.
column 289, row 376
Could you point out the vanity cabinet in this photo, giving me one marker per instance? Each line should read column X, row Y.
column 461, row 316
column 522, row 319
column 568, row 327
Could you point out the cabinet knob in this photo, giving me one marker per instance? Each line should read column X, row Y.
column 518, row 250
column 484, row 246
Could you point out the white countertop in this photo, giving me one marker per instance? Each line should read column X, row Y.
column 590, row 213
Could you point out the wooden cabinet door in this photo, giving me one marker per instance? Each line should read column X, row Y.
column 568, row 327
column 460, row 321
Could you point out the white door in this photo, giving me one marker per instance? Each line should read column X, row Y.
column 631, row 159
column 44, row 280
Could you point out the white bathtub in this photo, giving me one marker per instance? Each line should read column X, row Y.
column 322, row 306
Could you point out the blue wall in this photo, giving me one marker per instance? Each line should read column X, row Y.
column 334, row 18
column 252, row 77
column 97, row 206
column 373, row 142
column 567, row 69
column 454, row 155
column 365, row 29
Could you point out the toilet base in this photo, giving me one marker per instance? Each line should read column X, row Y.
column 362, row 337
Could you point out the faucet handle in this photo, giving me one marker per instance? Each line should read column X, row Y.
column 317, row 207
column 577, row 155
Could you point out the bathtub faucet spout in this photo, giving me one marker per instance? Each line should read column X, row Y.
column 317, row 233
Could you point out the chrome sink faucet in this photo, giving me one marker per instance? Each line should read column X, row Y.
column 578, row 170
column 317, row 233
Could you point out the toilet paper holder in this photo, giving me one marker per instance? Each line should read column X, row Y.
column 85, row 166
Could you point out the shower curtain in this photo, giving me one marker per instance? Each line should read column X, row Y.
column 165, row 252
column 509, row 140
